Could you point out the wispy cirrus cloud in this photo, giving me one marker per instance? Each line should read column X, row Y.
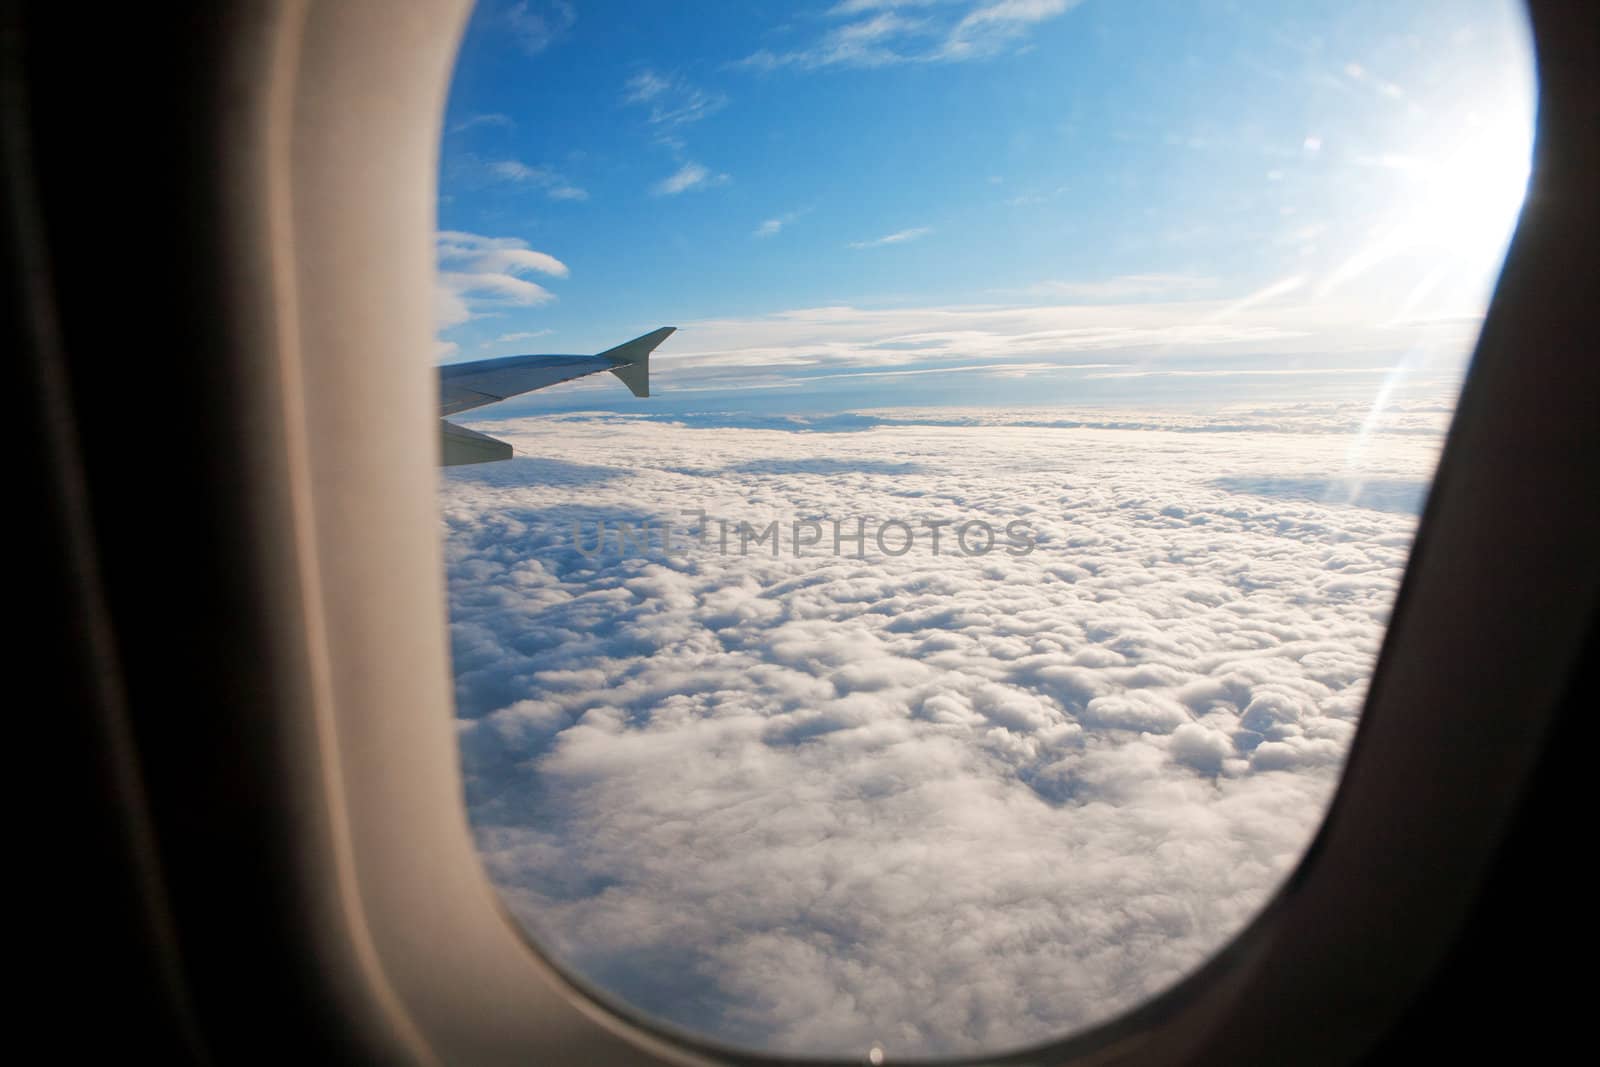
column 876, row 33
column 689, row 176
column 880, row 40
column 1125, row 287
column 859, row 7
column 521, row 335
column 988, row 28
column 898, row 237
column 551, row 182
column 671, row 104
column 473, row 122
column 537, row 24
column 775, row 225
column 669, row 100
column 472, row 171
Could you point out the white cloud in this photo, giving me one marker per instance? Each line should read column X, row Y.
column 476, row 271
column 644, row 87
column 490, row 119
column 857, row 7
column 669, row 100
column 512, row 170
column 537, row 24
column 689, row 176
column 949, row 804
column 521, row 335
column 898, row 237
column 509, row 255
column 988, row 28
column 871, row 42
column 1175, row 337
column 555, row 185
column 773, row 226
column 1126, row 287
column 878, row 35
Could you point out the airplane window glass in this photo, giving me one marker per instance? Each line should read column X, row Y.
column 952, row 634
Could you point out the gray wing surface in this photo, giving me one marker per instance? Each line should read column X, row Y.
column 464, row 386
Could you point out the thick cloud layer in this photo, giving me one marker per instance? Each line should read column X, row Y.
column 940, row 803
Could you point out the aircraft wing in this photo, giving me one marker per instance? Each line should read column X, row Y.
column 464, row 386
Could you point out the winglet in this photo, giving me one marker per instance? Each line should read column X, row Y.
column 631, row 361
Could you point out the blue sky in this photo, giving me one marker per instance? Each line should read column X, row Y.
column 882, row 187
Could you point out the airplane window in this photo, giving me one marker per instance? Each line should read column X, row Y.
column 951, row 635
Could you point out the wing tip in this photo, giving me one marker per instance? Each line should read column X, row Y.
column 631, row 359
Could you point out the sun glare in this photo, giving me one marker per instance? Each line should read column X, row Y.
column 1470, row 192
column 1453, row 209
